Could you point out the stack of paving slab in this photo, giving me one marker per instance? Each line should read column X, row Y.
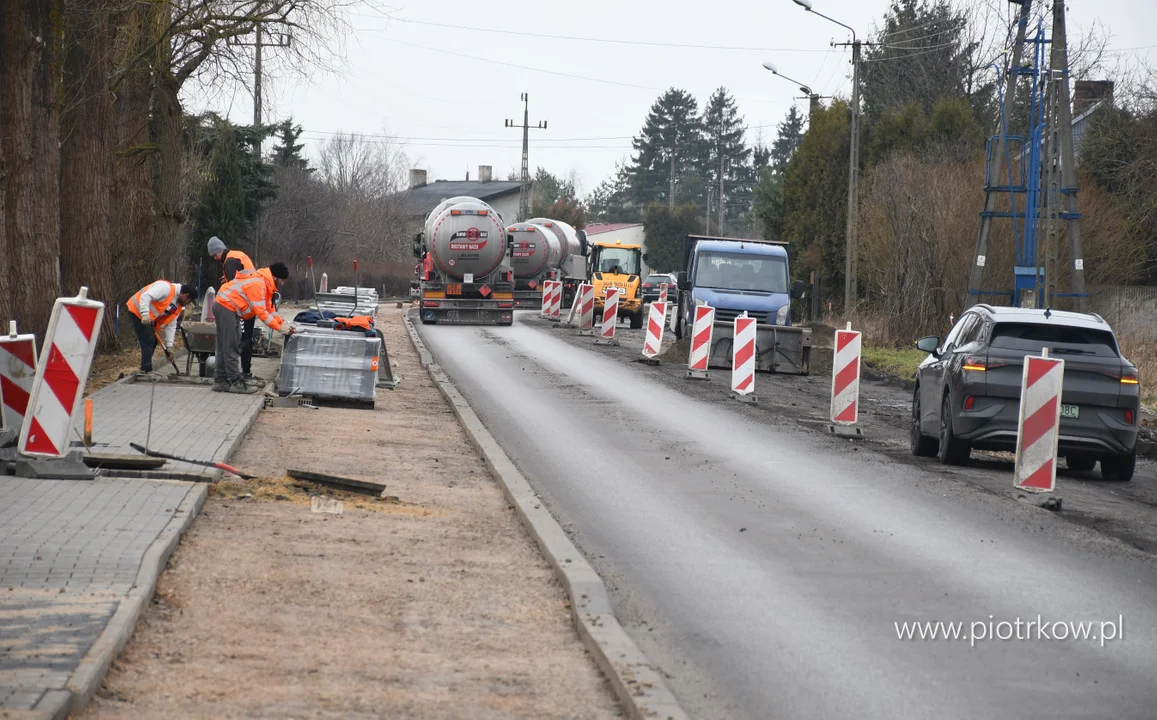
column 346, row 301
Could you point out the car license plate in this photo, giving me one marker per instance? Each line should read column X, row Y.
column 1070, row 411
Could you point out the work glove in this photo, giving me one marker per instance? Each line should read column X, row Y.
column 287, row 330
column 169, row 354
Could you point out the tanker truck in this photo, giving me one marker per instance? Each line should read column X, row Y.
column 466, row 279
column 542, row 249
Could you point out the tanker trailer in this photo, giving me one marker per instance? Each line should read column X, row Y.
column 572, row 267
column 535, row 254
column 468, row 281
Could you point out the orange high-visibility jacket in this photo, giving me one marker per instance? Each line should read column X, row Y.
column 250, row 294
column 235, row 261
column 157, row 304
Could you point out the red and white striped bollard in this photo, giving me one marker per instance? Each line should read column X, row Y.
column 1038, row 431
column 653, row 342
column 701, row 327
column 743, row 360
column 586, row 309
column 610, row 318
column 61, row 375
column 845, row 405
column 17, row 373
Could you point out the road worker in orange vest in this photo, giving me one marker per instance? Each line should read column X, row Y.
column 154, row 308
column 233, row 262
column 248, row 295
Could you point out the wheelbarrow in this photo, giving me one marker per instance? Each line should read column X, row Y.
column 200, row 342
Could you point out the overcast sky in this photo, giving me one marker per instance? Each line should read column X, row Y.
column 446, row 91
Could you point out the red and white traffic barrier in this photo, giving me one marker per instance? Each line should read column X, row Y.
column 846, row 377
column 610, row 318
column 17, row 372
column 556, row 300
column 743, row 359
column 586, row 308
column 655, row 324
column 663, row 292
column 548, row 298
column 701, row 328
column 1038, row 431
column 324, row 283
column 61, row 375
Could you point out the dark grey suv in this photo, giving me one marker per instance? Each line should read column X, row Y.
column 968, row 388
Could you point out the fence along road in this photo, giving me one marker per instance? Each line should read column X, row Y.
column 766, row 571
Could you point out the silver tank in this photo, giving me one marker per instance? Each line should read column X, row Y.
column 566, row 235
column 445, row 204
column 536, row 249
column 467, row 238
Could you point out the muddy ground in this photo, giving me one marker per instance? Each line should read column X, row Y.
column 1125, row 511
column 430, row 603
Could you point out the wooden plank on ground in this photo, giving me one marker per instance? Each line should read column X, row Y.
column 335, row 481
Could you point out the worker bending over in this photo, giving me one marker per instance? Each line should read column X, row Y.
column 247, row 296
column 156, row 307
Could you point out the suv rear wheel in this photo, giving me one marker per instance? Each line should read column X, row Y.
column 953, row 450
column 1080, row 462
column 1118, row 467
column 921, row 444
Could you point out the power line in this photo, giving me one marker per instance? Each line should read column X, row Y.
column 524, row 67
column 479, row 139
column 611, row 41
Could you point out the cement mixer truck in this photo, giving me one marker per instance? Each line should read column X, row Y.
column 542, row 249
column 466, row 277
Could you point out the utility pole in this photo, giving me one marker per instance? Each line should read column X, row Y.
column 994, row 182
column 671, row 195
column 524, row 191
column 259, row 42
column 1059, row 67
column 851, row 264
column 721, row 195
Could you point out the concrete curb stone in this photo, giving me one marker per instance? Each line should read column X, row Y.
column 637, row 682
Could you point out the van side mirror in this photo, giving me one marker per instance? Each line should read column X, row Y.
column 681, row 281
column 418, row 245
column 797, row 289
column 928, row 344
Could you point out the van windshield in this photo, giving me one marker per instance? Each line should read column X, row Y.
column 738, row 271
column 1032, row 337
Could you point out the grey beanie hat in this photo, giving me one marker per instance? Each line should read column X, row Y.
column 216, row 245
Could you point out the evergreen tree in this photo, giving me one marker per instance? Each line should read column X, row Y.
column 726, row 156
column 920, row 55
column 237, row 184
column 667, row 150
column 666, row 230
column 789, row 134
column 288, row 152
column 611, row 200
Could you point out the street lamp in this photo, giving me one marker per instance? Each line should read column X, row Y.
column 850, row 265
column 774, row 71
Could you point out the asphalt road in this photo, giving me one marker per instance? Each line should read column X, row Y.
column 764, row 569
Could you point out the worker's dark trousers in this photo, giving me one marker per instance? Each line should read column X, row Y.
column 147, row 337
column 227, row 365
column 247, row 346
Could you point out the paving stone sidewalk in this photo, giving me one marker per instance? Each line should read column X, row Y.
column 71, row 552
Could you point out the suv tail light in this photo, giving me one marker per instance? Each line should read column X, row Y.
column 969, row 402
column 975, row 363
column 1129, row 376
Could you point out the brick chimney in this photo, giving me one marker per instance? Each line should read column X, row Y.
column 1086, row 93
column 417, row 178
column 485, row 173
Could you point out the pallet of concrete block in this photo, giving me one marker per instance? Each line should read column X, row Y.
column 331, row 364
column 349, row 301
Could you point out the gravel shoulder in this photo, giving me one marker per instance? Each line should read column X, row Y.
column 431, row 603
column 1126, row 512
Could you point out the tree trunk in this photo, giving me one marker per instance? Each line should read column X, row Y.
column 171, row 257
column 86, row 159
column 133, row 201
column 29, row 91
column 5, row 289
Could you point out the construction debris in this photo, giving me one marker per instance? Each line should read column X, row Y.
column 363, row 487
